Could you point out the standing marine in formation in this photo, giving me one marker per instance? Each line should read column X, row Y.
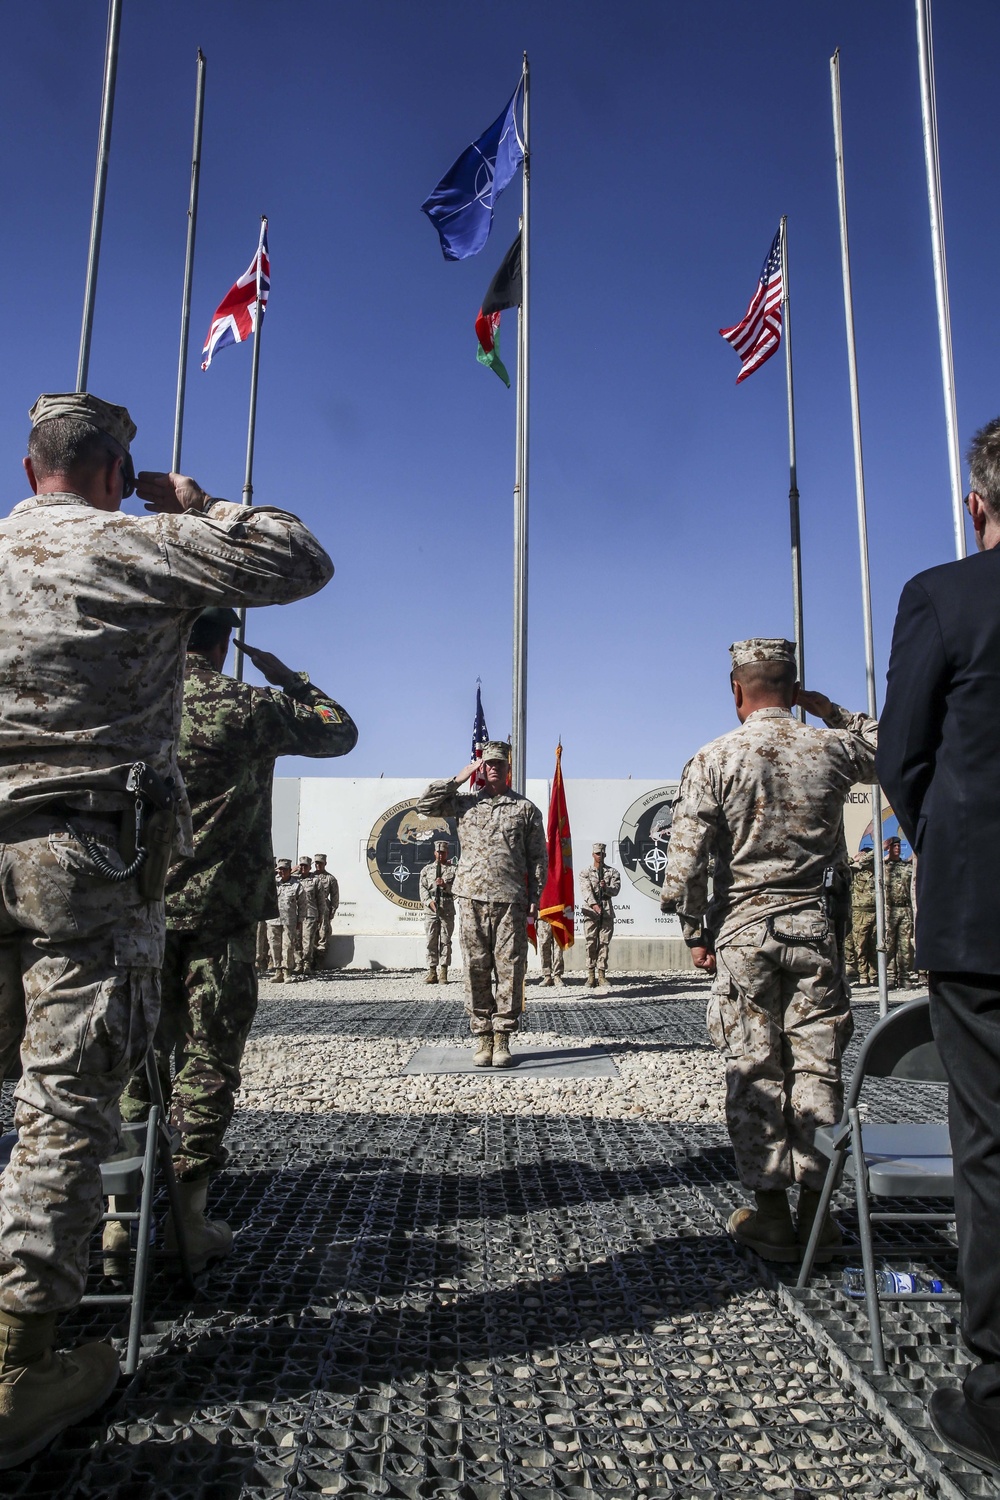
column 328, row 896
column 98, row 606
column 283, row 930
column 309, row 921
column 436, row 886
column 767, row 800
column 552, row 957
column 231, row 735
column 500, row 876
column 861, row 954
column 598, row 883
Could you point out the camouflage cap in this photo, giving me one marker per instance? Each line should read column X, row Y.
column 496, row 750
column 283, row 864
column 599, row 849
column 762, row 649
column 318, row 857
column 220, row 615
column 304, row 859
column 79, row 406
column 440, row 844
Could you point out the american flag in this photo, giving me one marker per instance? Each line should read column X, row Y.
column 758, row 333
column 236, row 315
column 480, row 737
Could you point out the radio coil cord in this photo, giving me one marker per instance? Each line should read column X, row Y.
column 99, row 859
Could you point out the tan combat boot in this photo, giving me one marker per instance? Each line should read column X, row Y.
column 207, row 1239
column 602, row 980
column 443, row 974
column 558, row 979
column 40, row 1392
column 116, row 1239
column 591, row 981
column 279, row 976
column 501, row 1050
column 483, row 1050
column 431, row 977
column 768, row 1229
column 547, row 981
column 830, row 1238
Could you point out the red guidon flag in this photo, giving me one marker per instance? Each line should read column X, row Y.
column 557, row 901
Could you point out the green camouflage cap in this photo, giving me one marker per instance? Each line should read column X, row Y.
column 79, row 406
column 762, row 649
column 496, row 750
column 220, row 615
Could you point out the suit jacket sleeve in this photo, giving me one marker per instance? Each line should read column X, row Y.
column 910, row 726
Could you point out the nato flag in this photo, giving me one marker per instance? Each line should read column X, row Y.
column 461, row 206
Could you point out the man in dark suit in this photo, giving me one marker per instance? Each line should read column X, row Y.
column 939, row 762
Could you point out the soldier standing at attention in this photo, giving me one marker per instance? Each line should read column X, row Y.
column 284, row 933
column 231, row 735
column 328, row 897
column 309, row 925
column 98, row 608
column 437, row 896
column 598, row 883
column 863, row 916
column 898, row 915
column 551, row 955
column 768, row 800
column 500, row 875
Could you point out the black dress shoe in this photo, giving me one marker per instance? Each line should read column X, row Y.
column 973, row 1432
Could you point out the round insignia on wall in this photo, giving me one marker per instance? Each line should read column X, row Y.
column 400, row 844
column 644, row 838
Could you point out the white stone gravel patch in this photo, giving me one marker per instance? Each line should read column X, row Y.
column 311, row 1074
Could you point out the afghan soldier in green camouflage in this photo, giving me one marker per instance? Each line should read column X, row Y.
column 231, row 735
column 767, row 800
column 500, row 876
column 863, row 916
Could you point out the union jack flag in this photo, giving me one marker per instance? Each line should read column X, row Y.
column 758, row 334
column 236, row 315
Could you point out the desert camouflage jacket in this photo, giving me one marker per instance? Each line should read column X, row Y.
column 767, row 800
column 596, row 887
column 429, row 886
column 231, row 735
column 327, row 891
column 288, row 903
column 97, row 609
column 503, row 854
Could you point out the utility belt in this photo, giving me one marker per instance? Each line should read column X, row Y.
column 813, row 921
column 147, row 834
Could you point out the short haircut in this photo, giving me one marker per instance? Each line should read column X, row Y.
column 63, row 445
column 766, row 677
column 983, row 459
column 207, row 634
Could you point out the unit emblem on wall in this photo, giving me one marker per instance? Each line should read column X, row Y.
column 400, row 844
column 645, row 837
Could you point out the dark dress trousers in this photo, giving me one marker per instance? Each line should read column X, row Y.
column 939, row 763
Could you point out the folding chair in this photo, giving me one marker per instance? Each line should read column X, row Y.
column 132, row 1172
column 897, row 1160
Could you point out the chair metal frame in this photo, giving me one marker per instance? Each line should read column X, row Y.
column 900, row 1045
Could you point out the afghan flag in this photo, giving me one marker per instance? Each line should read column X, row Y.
column 557, row 900
column 504, row 291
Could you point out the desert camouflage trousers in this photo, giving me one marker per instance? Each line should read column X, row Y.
column 865, row 952
column 494, row 937
column 597, row 932
column 263, row 947
column 899, row 944
column 283, row 939
column 305, row 943
column 79, row 995
column 779, row 1013
column 438, row 931
column 209, row 1000
column 552, row 956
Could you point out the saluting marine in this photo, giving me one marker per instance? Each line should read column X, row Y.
column 437, row 880
column 328, row 897
column 598, row 883
column 309, row 922
column 767, row 800
column 500, row 875
column 283, row 932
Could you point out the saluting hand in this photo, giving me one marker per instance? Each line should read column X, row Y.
column 269, row 666
column 817, row 704
column 169, row 494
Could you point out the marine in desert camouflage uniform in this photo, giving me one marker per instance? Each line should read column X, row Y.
column 501, row 872
column 898, row 916
column 328, row 896
column 309, row 922
column 231, row 735
column 552, row 958
column 437, row 879
column 767, row 800
column 98, row 606
column 283, row 931
column 598, row 883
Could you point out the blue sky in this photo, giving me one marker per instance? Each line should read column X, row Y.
column 667, row 141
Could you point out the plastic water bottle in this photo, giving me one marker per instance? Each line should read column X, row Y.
column 887, row 1282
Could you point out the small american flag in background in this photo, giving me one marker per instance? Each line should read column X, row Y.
column 236, row 315
column 480, row 737
column 758, row 333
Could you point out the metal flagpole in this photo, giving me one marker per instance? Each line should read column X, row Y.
column 859, row 484
column 935, row 203
column 199, row 103
column 258, row 320
column 793, row 487
column 100, row 187
column 520, row 672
